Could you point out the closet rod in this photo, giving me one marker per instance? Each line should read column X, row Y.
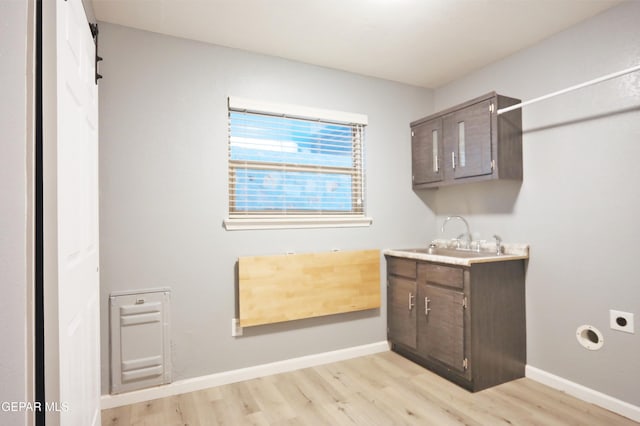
column 569, row 89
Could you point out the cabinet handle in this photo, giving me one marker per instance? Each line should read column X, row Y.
column 426, row 307
column 453, row 159
column 411, row 303
column 435, row 159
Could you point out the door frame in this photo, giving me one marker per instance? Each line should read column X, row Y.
column 37, row 319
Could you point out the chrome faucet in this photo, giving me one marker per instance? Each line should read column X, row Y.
column 498, row 244
column 468, row 235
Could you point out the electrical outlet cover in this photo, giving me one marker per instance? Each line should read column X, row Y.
column 236, row 330
column 621, row 321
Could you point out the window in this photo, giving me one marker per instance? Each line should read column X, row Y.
column 294, row 167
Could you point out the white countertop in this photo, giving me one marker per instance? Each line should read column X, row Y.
column 511, row 251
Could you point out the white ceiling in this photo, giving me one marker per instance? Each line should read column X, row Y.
column 421, row 42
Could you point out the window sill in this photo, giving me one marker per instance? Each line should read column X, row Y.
column 296, row 223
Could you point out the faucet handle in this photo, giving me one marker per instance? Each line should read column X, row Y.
column 498, row 244
column 478, row 244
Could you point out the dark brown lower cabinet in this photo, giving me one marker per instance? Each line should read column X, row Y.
column 464, row 323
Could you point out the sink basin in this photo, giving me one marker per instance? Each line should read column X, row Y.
column 439, row 251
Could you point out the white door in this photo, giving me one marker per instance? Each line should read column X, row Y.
column 71, row 280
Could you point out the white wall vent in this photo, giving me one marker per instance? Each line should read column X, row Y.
column 140, row 344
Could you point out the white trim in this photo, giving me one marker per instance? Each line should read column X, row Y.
column 233, row 376
column 584, row 393
column 252, row 105
column 295, row 223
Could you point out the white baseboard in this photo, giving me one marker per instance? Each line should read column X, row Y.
column 233, row 376
column 584, row 393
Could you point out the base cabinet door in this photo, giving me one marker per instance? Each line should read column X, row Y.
column 441, row 328
column 401, row 315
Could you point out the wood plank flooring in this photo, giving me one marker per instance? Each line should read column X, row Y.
column 380, row 389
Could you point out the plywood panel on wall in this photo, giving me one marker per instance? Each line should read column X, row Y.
column 295, row 286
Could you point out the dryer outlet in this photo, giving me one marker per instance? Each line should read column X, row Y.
column 621, row 321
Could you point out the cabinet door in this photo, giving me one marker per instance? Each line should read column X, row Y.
column 426, row 152
column 468, row 133
column 401, row 312
column 441, row 325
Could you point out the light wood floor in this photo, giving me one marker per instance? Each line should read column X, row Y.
column 381, row 389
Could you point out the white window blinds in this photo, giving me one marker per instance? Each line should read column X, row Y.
column 294, row 162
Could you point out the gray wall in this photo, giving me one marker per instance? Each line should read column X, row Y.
column 163, row 192
column 579, row 203
column 163, row 172
column 13, row 206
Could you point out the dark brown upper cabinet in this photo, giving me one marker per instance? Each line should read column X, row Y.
column 468, row 143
